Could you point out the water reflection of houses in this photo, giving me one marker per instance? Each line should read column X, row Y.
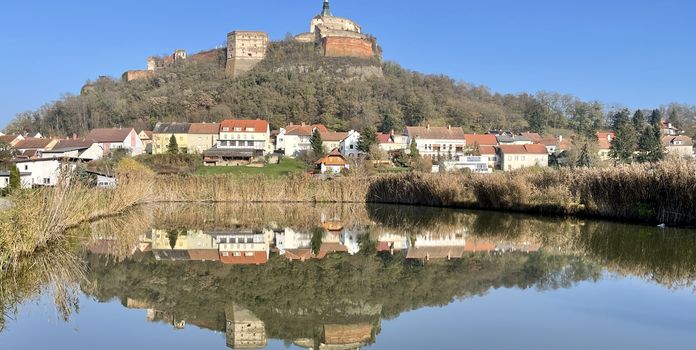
column 243, row 329
column 340, row 337
column 233, row 246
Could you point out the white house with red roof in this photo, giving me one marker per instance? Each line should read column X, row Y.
column 392, row 142
column 117, row 138
column 293, row 140
column 604, row 140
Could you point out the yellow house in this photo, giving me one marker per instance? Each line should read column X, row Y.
column 163, row 132
column 202, row 137
column 146, row 137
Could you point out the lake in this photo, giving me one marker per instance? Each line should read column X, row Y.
column 253, row 276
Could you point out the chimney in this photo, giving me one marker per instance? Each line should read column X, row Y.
column 560, row 138
column 303, row 124
column 449, row 127
column 427, row 126
column 74, row 136
column 391, row 132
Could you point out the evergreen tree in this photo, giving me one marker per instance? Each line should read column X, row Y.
column 623, row 144
column 620, row 119
column 413, row 152
column 650, row 145
column 639, row 121
column 368, row 138
column 656, row 117
column 317, row 143
column 584, row 159
column 173, row 147
column 15, row 179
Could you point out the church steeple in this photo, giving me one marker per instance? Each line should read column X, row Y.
column 326, row 11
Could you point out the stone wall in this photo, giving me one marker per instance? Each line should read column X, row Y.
column 137, row 74
column 245, row 49
column 348, row 47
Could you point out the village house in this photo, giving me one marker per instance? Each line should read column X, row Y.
column 513, row 157
column 162, row 135
column 146, row 137
column 604, row 139
column 349, row 145
column 669, row 130
column 391, row 142
column 437, row 141
column 32, row 148
column 332, row 139
column 429, row 246
column 117, row 138
column 392, row 242
column 86, row 150
column 491, row 153
column 240, row 141
column 680, row 146
column 332, row 163
column 243, row 247
column 40, row 172
column 475, row 164
column 202, row 137
column 293, row 140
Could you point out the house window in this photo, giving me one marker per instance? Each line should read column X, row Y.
column 249, row 254
column 351, row 146
column 46, row 181
column 237, row 254
column 250, row 129
column 225, row 254
column 26, row 167
column 237, row 129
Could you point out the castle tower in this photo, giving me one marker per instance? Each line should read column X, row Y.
column 245, row 49
column 326, row 11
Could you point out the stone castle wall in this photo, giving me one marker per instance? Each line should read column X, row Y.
column 348, row 47
column 245, row 49
column 137, row 74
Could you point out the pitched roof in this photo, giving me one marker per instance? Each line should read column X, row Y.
column 435, row 133
column 533, row 136
column 604, row 139
column 32, row 143
column 487, row 150
column 514, row 138
column 481, row 139
column 479, row 246
column 8, row 138
column 523, row 149
column 245, row 125
column 298, row 254
column 333, row 136
column 384, row 138
column 73, row 144
column 254, row 258
column 303, row 129
column 670, row 141
column 335, row 158
column 171, row 128
column 204, row 128
column 147, row 133
column 109, row 135
column 435, row 252
column 204, row 254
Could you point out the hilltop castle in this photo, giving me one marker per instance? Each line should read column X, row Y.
column 334, row 37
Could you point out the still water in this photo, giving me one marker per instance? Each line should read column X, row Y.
column 353, row 277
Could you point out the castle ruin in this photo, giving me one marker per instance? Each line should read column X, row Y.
column 334, row 36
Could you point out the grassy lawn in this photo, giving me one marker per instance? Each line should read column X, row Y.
column 286, row 167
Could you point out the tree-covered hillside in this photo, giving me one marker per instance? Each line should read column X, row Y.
column 295, row 84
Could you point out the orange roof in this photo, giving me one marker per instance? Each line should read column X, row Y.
column 481, row 140
column 303, row 129
column 670, row 141
column 479, row 246
column 8, row 138
column 335, row 158
column 254, row 258
column 336, row 334
column 487, row 150
column 524, row 149
column 605, row 138
column 204, row 128
column 256, row 125
column 333, row 136
column 204, row 254
column 32, row 143
column 532, row 136
column 147, row 133
column 109, row 135
column 327, row 248
column 384, row 138
column 298, row 254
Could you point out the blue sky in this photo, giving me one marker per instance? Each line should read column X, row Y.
column 637, row 53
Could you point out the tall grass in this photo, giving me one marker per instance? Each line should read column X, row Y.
column 40, row 216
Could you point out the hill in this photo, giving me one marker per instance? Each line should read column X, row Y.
column 294, row 83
